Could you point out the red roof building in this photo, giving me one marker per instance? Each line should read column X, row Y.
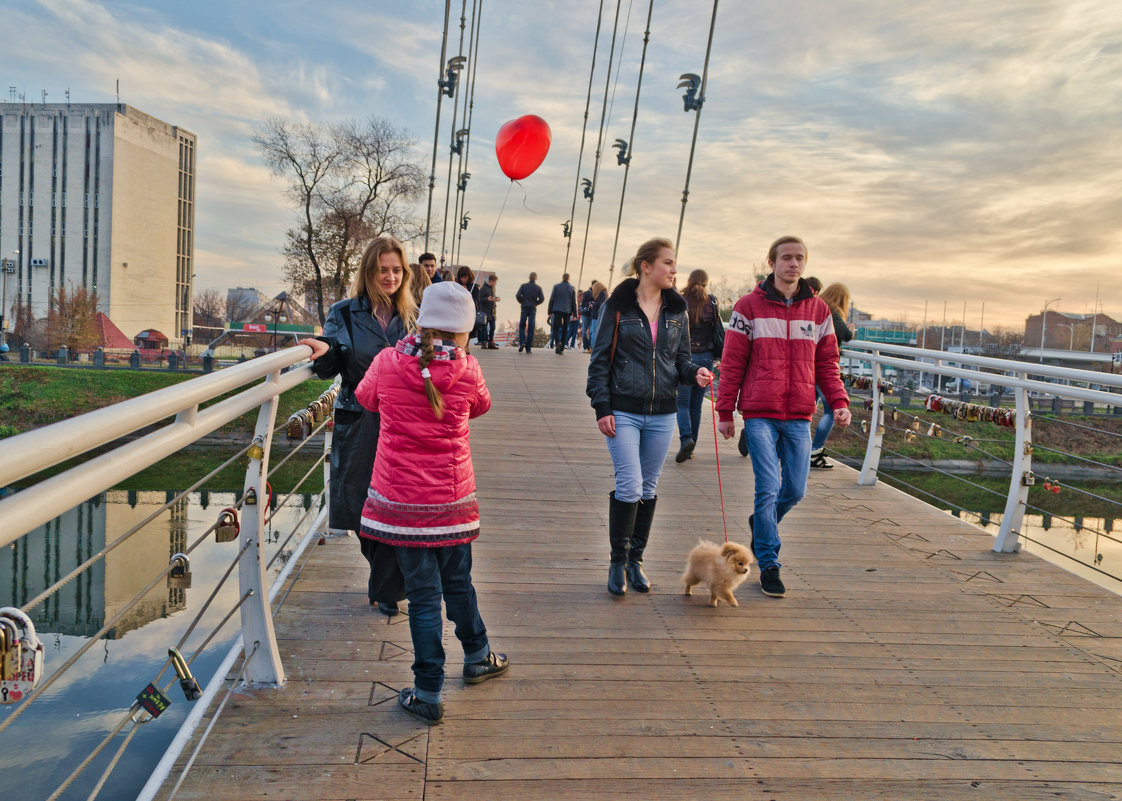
column 110, row 336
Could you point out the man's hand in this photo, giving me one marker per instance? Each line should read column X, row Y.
column 843, row 417
column 607, row 425
column 318, row 346
column 704, row 377
column 727, row 428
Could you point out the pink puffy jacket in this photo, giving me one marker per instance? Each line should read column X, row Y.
column 423, row 460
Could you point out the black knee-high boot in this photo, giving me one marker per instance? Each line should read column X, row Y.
column 621, row 522
column 644, row 515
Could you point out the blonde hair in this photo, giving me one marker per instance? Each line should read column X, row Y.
column 366, row 283
column 696, row 294
column 648, row 252
column 426, row 336
column 837, row 298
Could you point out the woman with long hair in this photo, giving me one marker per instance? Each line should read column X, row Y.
column 707, row 338
column 380, row 311
column 640, row 356
column 837, row 298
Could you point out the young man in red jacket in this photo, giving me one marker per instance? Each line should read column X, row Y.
column 779, row 342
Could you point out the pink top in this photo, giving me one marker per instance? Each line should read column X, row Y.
column 654, row 331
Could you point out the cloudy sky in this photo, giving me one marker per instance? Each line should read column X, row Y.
column 941, row 152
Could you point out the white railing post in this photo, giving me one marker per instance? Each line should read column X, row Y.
column 1008, row 537
column 257, row 620
column 869, row 467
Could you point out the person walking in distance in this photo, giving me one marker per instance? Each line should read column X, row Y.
column 422, row 499
column 836, row 296
column 529, row 297
column 562, row 306
column 707, row 338
column 780, row 343
column 487, row 301
column 640, row 356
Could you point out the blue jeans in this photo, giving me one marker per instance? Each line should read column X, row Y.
column 574, row 329
column 780, row 451
column 586, row 330
column 638, row 450
column 526, row 326
column 825, row 422
column 689, row 401
column 432, row 573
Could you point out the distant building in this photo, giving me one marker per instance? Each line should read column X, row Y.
column 100, row 196
column 1063, row 331
column 242, row 301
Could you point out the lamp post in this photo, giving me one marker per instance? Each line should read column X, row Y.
column 274, row 318
column 1071, row 339
column 9, row 266
column 1044, row 324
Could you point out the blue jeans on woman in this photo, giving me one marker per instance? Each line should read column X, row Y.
column 638, row 451
column 430, row 574
column 825, row 422
column 689, row 401
column 780, row 451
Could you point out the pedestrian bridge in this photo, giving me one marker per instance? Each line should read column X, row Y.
column 909, row 660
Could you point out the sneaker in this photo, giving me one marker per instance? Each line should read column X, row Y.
column 686, row 451
column 424, row 711
column 389, row 610
column 818, row 460
column 742, row 443
column 521, row 348
column 770, row 582
column 493, row 665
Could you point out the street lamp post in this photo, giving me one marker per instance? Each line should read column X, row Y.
column 1071, row 330
column 1044, row 324
column 9, row 266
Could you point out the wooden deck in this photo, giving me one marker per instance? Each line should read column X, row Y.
column 908, row 661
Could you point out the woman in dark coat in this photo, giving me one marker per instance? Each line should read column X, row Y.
column 640, row 356
column 707, row 338
column 380, row 311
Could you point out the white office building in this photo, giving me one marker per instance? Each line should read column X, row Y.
column 100, row 196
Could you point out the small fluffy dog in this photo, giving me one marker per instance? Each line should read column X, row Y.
column 722, row 568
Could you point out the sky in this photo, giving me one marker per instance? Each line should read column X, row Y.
column 941, row 153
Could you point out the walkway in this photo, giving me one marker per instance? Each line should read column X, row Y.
column 908, row 660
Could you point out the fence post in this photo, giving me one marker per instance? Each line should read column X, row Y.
column 869, row 467
column 1008, row 538
column 257, row 620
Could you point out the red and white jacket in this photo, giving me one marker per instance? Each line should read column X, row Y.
column 776, row 352
column 422, row 492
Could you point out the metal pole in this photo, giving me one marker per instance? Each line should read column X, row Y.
column 436, row 133
column 696, row 123
column 1044, row 325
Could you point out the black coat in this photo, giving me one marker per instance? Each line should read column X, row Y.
column 642, row 377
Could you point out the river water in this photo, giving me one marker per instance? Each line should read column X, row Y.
column 40, row 749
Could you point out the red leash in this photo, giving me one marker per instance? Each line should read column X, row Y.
column 717, row 452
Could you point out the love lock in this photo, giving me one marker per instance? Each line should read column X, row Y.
column 186, row 681
column 23, row 652
column 295, row 428
column 228, row 526
column 179, row 577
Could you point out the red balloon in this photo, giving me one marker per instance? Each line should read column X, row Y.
column 521, row 146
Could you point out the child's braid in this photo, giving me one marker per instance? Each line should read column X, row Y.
column 436, row 400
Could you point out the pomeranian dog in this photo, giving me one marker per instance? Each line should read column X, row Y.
column 722, row 568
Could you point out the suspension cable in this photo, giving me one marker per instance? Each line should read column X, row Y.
column 696, row 124
column 452, row 130
column 436, row 132
column 599, row 143
column 583, row 133
column 630, row 143
column 469, row 104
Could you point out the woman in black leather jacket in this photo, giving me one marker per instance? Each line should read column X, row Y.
column 639, row 357
column 380, row 311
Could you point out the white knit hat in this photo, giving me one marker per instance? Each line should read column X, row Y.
column 447, row 306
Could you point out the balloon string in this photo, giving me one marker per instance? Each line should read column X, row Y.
column 507, row 197
column 717, row 451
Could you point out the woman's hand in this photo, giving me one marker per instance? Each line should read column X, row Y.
column 318, row 346
column 607, row 425
column 704, row 377
column 727, row 428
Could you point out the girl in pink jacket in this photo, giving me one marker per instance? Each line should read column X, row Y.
column 422, row 493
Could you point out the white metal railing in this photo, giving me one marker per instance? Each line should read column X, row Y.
column 257, row 384
column 1001, row 372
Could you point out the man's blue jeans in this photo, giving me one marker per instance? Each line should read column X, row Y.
column 825, row 422
column 780, row 452
column 689, row 401
column 586, row 330
column 526, row 326
column 431, row 573
column 638, row 451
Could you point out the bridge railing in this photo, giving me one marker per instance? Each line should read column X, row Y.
column 199, row 409
column 1024, row 379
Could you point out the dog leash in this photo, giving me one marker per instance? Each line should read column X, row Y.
column 717, row 452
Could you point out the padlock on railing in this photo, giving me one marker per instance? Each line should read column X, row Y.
column 179, row 577
column 24, row 652
column 295, row 428
column 186, row 681
column 151, row 700
column 228, row 526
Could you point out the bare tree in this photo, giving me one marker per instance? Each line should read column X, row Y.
column 209, row 311
column 350, row 181
column 239, row 307
column 72, row 319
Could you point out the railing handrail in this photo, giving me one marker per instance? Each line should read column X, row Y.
column 28, row 453
column 1009, row 365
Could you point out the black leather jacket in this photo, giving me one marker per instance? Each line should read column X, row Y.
column 353, row 347
column 643, row 377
